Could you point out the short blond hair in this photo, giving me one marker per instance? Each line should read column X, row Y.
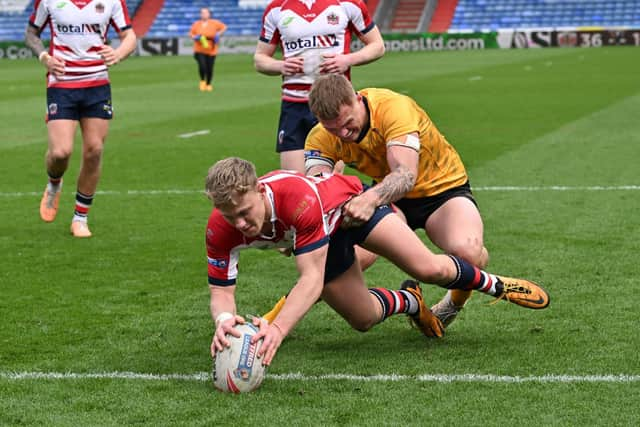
column 230, row 176
column 328, row 94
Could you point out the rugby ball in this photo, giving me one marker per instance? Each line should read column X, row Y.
column 237, row 368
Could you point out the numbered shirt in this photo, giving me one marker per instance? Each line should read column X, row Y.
column 310, row 28
column 391, row 116
column 305, row 212
column 78, row 32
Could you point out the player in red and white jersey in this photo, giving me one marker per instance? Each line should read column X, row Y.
column 315, row 37
column 288, row 209
column 317, row 199
column 78, row 35
column 78, row 90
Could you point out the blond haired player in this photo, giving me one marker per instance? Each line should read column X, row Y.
column 285, row 209
column 390, row 138
column 78, row 91
column 206, row 33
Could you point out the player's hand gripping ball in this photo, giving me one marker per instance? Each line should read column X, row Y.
column 237, row 368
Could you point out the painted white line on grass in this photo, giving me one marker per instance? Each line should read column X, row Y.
column 196, row 133
column 113, row 193
column 560, row 188
column 480, row 188
column 443, row 378
column 475, row 78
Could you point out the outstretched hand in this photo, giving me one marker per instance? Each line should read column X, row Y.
column 220, row 341
column 272, row 335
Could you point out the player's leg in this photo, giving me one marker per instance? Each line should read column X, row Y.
column 394, row 240
column 202, row 69
column 211, row 60
column 367, row 258
column 456, row 228
column 60, row 146
column 294, row 124
column 349, row 297
column 94, row 133
column 363, row 308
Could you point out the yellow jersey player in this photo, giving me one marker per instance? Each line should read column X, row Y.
column 390, row 138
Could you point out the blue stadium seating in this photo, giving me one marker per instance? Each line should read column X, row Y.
column 177, row 16
column 496, row 14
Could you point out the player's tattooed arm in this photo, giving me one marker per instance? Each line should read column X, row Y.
column 395, row 185
column 33, row 41
column 403, row 162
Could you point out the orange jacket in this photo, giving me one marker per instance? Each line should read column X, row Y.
column 208, row 29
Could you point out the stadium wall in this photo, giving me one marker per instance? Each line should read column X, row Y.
column 503, row 39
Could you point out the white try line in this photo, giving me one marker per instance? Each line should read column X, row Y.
column 480, row 188
column 196, row 133
column 438, row 378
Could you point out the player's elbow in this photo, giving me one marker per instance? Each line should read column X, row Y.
column 257, row 63
column 380, row 49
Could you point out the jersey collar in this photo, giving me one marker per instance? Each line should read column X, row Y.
column 274, row 217
column 367, row 126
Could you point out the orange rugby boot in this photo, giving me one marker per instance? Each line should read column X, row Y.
column 424, row 319
column 49, row 204
column 80, row 229
column 522, row 292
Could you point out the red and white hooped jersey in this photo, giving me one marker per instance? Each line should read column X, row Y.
column 305, row 212
column 309, row 28
column 78, row 31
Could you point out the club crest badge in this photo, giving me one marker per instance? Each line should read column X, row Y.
column 333, row 19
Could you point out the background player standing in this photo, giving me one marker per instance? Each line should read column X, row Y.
column 206, row 33
column 78, row 91
column 315, row 39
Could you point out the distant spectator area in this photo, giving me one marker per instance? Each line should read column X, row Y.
column 501, row 14
column 14, row 18
column 242, row 17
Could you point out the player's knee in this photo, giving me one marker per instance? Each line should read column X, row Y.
column 472, row 251
column 59, row 154
column 433, row 272
column 363, row 324
column 92, row 152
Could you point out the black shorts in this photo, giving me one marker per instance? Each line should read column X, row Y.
column 341, row 255
column 419, row 210
column 78, row 103
column 296, row 120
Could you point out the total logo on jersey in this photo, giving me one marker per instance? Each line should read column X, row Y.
column 328, row 40
column 78, row 29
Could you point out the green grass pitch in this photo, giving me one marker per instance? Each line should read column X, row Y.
column 551, row 139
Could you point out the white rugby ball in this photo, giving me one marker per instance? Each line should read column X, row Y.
column 237, row 368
